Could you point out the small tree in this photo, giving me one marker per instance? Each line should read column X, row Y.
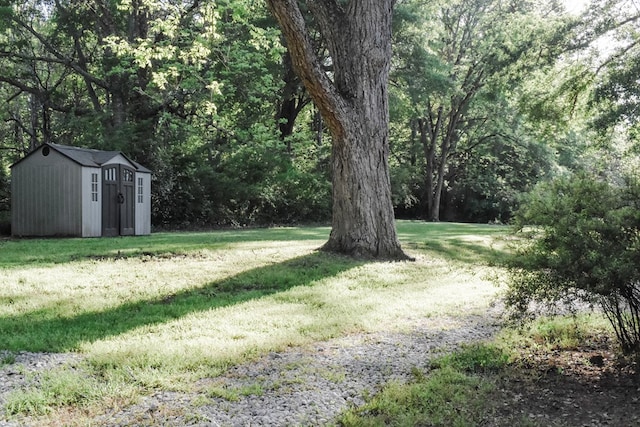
column 585, row 245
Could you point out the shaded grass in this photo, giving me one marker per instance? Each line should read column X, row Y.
column 480, row 243
column 463, row 388
column 474, row 244
column 549, row 333
column 22, row 253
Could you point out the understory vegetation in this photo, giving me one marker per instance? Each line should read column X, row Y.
column 453, row 393
column 583, row 245
column 527, row 376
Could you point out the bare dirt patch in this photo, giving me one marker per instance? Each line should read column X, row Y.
column 591, row 385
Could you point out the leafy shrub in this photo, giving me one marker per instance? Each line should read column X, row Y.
column 5, row 223
column 585, row 245
column 247, row 184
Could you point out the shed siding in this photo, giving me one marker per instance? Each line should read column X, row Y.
column 118, row 159
column 143, row 204
column 46, row 196
column 60, row 193
column 91, row 202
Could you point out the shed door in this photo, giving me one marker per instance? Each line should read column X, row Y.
column 118, row 200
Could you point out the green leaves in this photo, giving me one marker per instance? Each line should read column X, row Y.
column 585, row 245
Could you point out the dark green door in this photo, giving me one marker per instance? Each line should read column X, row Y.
column 118, row 200
column 127, row 201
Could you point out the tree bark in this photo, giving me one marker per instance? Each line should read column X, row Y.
column 292, row 101
column 430, row 130
column 354, row 107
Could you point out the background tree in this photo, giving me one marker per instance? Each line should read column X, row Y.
column 188, row 89
column 615, row 95
column 585, row 242
column 204, row 94
column 459, row 81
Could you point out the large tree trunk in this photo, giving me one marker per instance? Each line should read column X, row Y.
column 355, row 109
column 363, row 224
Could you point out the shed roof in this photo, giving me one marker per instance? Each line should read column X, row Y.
column 87, row 156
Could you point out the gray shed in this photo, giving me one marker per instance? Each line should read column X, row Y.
column 57, row 190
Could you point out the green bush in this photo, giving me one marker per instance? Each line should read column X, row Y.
column 249, row 184
column 5, row 223
column 584, row 245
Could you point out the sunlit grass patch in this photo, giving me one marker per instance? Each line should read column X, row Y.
column 65, row 386
column 451, row 394
column 356, row 297
column 174, row 308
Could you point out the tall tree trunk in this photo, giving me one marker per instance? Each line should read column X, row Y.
column 355, row 108
column 292, row 102
column 434, row 214
column 34, row 108
column 430, row 131
column 318, row 126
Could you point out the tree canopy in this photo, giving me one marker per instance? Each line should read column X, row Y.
column 485, row 99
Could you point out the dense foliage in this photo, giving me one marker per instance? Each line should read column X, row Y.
column 585, row 245
column 585, row 240
column 487, row 98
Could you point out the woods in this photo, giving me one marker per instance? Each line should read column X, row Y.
column 483, row 100
column 493, row 143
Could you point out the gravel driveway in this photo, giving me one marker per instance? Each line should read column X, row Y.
column 308, row 385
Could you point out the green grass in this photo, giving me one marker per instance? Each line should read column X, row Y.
column 161, row 311
column 452, row 394
column 462, row 388
column 22, row 253
column 234, row 394
column 65, row 386
column 475, row 244
column 557, row 332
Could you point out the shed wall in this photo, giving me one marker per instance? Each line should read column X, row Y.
column 118, row 159
column 91, row 202
column 46, row 196
column 143, row 204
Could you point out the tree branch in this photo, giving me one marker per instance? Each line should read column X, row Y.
column 306, row 62
column 63, row 59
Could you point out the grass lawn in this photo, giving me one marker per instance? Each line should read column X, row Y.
column 160, row 311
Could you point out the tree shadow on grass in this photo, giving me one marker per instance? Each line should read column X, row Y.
column 45, row 331
column 464, row 251
column 39, row 252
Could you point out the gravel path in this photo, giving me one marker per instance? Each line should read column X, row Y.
column 306, row 386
